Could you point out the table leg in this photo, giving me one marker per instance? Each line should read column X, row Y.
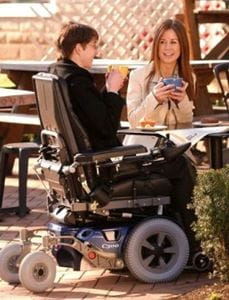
column 216, row 152
column 203, row 105
column 14, row 134
column 22, row 80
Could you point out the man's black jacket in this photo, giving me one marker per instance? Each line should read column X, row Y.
column 99, row 113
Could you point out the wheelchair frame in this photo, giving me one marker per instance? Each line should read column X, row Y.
column 68, row 199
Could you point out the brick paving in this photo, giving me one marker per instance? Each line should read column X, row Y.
column 69, row 284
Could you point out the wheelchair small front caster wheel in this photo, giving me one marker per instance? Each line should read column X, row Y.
column 201, row 262
column 8, row 262
column 37, row 271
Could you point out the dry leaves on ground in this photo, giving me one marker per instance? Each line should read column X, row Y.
column 208, row 292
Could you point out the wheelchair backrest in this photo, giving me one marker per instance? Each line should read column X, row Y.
column 61, row 129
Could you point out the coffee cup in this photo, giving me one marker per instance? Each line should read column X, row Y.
column 176, row 81
column 122, row 69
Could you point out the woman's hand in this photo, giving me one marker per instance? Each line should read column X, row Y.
column 114, row 81
column 162, row 92
column 179, row 94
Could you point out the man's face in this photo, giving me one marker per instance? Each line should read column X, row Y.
column 87, row 54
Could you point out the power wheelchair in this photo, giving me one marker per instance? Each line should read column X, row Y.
column 108, row 208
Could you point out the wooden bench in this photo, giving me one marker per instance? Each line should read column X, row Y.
column 14, row 132
column 23, row 119
column 15, row 107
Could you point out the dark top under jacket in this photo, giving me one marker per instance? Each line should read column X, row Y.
column 99, row 113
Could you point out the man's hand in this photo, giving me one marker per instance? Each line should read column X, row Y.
column 114, row 81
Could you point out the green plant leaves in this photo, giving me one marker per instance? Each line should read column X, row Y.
column 211, row 205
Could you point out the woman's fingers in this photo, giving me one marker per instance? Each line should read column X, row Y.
column 178, row 95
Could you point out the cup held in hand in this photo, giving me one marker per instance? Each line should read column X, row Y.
column 122, row 69
column 176, row 81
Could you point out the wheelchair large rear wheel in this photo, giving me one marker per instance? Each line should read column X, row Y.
column 8, row 263
column 157, row 250
column 37, row 271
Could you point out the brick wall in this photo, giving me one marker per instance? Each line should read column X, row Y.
column 24, row 38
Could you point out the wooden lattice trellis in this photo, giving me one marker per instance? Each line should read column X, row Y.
column 125, row 26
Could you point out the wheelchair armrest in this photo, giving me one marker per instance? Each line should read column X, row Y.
column 85, row 158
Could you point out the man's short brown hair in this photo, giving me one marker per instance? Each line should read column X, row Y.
column 74, row 33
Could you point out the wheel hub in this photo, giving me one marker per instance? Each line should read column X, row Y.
column 40, row 272
column 12, row 264
column 158, row 251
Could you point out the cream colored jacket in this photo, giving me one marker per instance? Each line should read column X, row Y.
column 142, row 104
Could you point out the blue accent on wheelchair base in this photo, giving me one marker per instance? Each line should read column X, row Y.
column 108, row 239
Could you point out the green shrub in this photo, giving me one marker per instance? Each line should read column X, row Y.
column 211, row 205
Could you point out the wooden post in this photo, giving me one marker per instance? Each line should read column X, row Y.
column 192, row 28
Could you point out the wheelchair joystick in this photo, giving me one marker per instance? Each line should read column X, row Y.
column 170, row 151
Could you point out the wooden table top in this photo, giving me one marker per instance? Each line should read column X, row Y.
column 99, row 65
column 11, row 97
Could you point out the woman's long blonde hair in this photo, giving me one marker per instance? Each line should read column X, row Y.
column 184, row 67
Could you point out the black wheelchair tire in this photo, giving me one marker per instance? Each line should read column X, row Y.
column 157, row 250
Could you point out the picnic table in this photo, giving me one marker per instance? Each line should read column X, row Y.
column 13, row 123
column 20, row 72
column 19, row 101
column 12, row 97
column 189, row 133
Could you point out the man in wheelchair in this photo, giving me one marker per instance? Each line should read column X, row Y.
column 112, row 206
column 99, row 114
